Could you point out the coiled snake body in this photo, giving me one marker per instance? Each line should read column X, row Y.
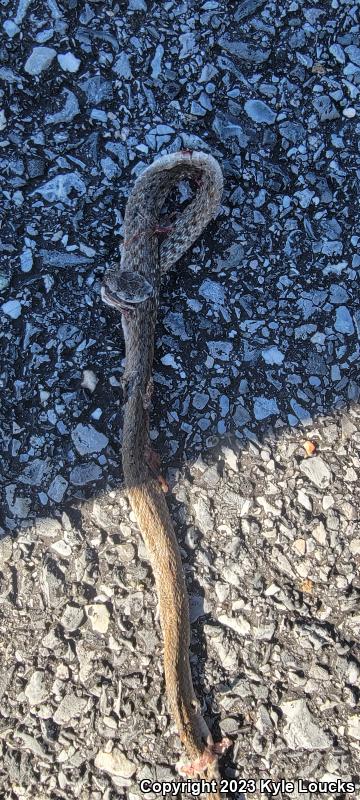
column 133, row 288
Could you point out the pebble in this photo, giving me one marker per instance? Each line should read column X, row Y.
column 122, row 66
column 60, row 187
column 99, row 617
column 343, row 321
column 187, row 44
column 68, row 62
column 247, row 8
column 48, row 527
column 169, row 361
column 156, row 61
column 338, row 294
column 88, row 440
column 89, row 380
column 212, row 291
column 35, row 472
column 244, row 51
column 301, row 731
column 36, row 690
column 97, row 89
column 227, row 128
column 69, row 708
column 325, row 108
column 354, row 546
column 353, row 51
column 302, row 413
column 202, row 514
column 231, row 458
column 260, row 112
column 55, row 258
column 115, row 763
column 125, row 552
column 39, row 60
column 200, row 400
column 299, row 546
column 159, row 136
column 11, row 28
column 293, row 131
column 354, row 726
column 220, row 350
column 349, row 112
column 316, row 471
column 175, row 322
column 337, row 51
column 85, row 473
column 241, row 416
column 69, row 110
column 197, row 110
column 272, row 355
column 61, row 548
column 26, row 260
column 72, row 617
column 238, row 624
column 265, row 407
column 304, row 500
column 12, row 309
column 57, row 488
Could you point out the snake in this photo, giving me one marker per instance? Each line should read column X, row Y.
column 133, row 288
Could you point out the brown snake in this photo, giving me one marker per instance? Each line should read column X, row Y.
column 133, row 288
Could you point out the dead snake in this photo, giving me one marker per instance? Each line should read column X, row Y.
column 133, row 289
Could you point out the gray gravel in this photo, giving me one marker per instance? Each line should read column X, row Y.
column 256, row 403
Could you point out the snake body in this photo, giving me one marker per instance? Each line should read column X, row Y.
column 133, row 288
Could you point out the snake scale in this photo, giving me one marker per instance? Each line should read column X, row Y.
column 133, row 288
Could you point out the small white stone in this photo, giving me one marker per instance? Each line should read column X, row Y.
column 316, row 471
column 115, row 763
column 99, row 617
column 11, row 28
column 88, row 440
column 68, row 62
column 39, row 60
column 272, row 589
column 12, row 308
column 89, row 380
column 327, row 501
column 354, row 726
column 238, row 624
column 36, row 691
column 344, row 323
column 231, row 458
column 355, row 547
column 349, row 112
column 272, row 355
column 319, row 533
column 301, row 730
column 169, row 361
column 338, row 53
column 299, row 545
column 70, row 707
column 265, row 407
column 2, row 119
column 26, row 260
column 60, row 547
column 304, row 500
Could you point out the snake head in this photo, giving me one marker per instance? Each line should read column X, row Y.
column 125, row 289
